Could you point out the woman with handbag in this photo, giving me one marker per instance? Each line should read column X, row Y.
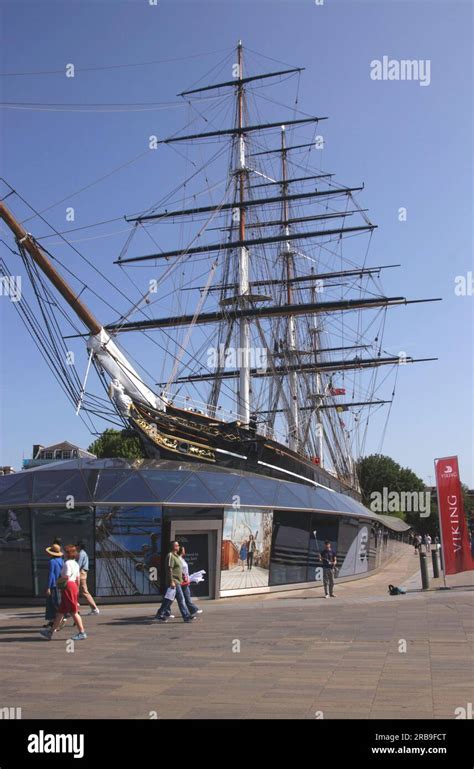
column 68, row 582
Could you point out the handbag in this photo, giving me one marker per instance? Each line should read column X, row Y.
column 61, row 582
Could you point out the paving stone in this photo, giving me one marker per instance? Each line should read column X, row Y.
column 299, row 655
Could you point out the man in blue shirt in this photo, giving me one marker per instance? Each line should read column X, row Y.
column 83, row 561
column 328, row 558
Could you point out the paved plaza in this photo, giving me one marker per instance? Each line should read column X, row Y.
column 281, row 655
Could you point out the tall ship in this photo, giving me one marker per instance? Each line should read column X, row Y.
column 262, row 310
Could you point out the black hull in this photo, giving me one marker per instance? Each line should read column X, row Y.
column 179, row 435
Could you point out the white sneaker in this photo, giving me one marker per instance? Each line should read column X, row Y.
column 326, row 595
column 333, row 595
column 199, row 611
column 94, row 611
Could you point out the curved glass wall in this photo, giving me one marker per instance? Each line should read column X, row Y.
column 71, row 526
column 271, row 532
column 128, row 550
column 16, row 574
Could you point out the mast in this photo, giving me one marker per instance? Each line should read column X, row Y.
column 293, row 423
column 26, row 241
column 100, row 343
column 319, row 390
column 227, row 206
column 307, row 368
column 273, row 311
column 244, row 323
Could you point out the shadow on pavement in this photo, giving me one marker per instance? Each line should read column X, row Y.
column 148, row 619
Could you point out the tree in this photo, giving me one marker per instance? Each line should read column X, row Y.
column 379, row 473
column 117, row 443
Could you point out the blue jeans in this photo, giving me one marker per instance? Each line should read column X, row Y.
column 192, row 608
column 165, row 608
column 166, row 605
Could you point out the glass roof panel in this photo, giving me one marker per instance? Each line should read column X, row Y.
column 73, row 485
column 250, row 495
column 194, row 491
column 108, row 480
column 15, row 489
column 91, row 478
column 45, row 482
column 132, row 489
column 327, row 500
column 164, row 483
column 266, row 489
column 295, row 495
column 222, row 485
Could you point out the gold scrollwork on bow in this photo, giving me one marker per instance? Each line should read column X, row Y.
column 174, row 444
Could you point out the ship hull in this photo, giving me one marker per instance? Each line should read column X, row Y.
column 178, row 434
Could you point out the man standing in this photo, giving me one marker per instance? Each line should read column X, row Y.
column 328, row 558
column 173, row 580
column 251, row 548
column 83, row 561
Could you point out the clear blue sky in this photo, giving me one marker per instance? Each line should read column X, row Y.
column 410, row 145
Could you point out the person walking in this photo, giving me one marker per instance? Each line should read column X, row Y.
column 185, row 585
column 12, row 528
column 83, row 561
column 252, row 546
column 192, row 608
column 173, row 580
column 243, row 554
column 53, row 595
column 428, row 543
column 329, row 560
column 70, row 574
column 417, row 543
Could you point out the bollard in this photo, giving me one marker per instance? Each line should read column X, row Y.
column 435, row 559
column 425, row 581
column 440, row 552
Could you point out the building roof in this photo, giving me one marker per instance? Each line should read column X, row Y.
column 393, row 522
column 65, row 446
column 166, row 482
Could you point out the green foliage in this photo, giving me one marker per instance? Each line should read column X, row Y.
column 117, row 443
column 378, row 472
